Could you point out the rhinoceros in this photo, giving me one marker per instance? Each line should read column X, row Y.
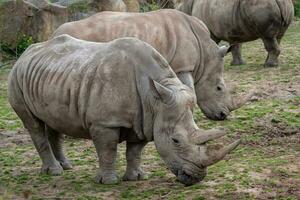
column 184, row 41
column 238, row 21
column 108, row 93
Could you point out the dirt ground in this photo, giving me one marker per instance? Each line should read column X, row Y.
column 265, row 166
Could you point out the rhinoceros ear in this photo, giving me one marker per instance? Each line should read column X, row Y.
column 165, row 94
column 224, row 50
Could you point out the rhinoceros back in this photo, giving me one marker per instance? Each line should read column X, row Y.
column 70, row 84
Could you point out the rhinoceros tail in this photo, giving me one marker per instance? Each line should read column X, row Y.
column 286, row 8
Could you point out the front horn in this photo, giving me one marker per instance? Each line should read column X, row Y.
column 236, row 104
column 213, row 157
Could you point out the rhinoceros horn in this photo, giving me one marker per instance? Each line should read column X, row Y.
column 224, row 50
column 209, row 157
column 165, row 94
column 213, row 157
column 241, row 101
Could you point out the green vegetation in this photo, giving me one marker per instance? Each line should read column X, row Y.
column 22, row 43
column 265, row 166
column 297, row 8
column 149, row 6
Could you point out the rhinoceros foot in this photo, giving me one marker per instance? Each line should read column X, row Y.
column 134, row 175
column 107, row 178
column 66, row 165
column 237, row 62
column 271, row 64
column 54, row 170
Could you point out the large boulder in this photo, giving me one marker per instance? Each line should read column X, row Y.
column 132, row 5
column 39, row 18
column 35, row 18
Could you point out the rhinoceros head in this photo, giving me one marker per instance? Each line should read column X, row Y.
column 178, row 140
column 213, row 96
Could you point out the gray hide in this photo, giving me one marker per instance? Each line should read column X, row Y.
column 237, row 21
column 107, row 92
column 184, row 41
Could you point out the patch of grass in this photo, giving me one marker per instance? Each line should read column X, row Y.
column 8, row 119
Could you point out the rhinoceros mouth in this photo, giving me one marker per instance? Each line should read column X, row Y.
column 186, row 178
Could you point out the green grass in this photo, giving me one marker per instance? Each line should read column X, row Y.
column 265, row 166
column 8, row 119
column 297, row 8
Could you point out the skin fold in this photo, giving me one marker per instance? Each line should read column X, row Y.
column 108, row 93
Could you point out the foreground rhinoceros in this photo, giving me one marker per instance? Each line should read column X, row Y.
column 237, row 21
column 184, row 41
column 108, row 92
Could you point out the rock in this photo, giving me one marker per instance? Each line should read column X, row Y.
column 132, row 5
column 79, row 9
column 112, row 5
column 39, row 18
column 35, row 18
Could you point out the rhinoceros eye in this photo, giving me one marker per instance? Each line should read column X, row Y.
column 175, row 140
column 219, row 88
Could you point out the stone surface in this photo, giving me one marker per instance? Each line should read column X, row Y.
column 35, row 18
column 39, row 18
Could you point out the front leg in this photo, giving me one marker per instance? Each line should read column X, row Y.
column 106, row 142
column 133, row 157
column 236, row 51
column 272, row 46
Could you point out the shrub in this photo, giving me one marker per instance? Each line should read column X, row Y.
column 22, row 43
column 147, row 6
column 297, row 8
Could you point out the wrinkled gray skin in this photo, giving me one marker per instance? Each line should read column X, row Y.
column 238, row 21
column 108, row 93
column 184, row 41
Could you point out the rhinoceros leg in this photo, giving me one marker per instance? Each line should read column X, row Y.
column 272, row 47
column 236, row 51
column 133, row 157
column 106, row 141
column 56, row 141
column 39, row 137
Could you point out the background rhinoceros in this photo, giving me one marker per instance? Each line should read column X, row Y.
column 184, row 41
column 108, row 92
column 237, row 21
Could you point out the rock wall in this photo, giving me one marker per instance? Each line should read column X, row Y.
column 39, row 18
column 35, row 18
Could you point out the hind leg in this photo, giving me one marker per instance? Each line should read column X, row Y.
column 271, row 45
column 36, row 129
column 236, row 51
column 40, row 140
column 56, row 141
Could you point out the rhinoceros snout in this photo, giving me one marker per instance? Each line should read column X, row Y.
column 187, row 179
column 221, row 116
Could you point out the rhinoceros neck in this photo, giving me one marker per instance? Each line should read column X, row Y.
column 205, row 47
column 150, row 66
